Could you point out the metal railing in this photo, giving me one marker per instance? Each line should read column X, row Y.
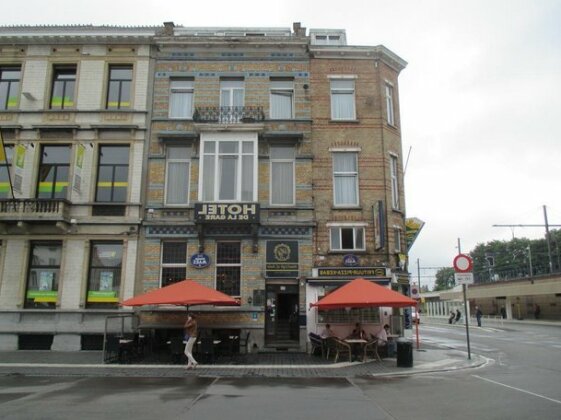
column 228, row 114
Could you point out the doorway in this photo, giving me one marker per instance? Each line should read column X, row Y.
column 282, row 316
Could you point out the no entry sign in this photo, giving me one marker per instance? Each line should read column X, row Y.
column 463, row 264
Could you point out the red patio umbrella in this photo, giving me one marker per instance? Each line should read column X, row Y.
column 184, row 293
column 361, row 293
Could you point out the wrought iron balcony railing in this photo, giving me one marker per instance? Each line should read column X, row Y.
column 30, row 209
column 228, row 114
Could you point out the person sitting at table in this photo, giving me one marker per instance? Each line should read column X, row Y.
column 358, row 332
column 382, row 335
column 327, row 332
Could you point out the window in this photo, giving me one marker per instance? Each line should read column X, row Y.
column 112, row 174
column 282, row 94
column 64, row 81
column 347, row 238
column 174, row 262
column 181, row 99
column 104, row 279
column 394, row 181
column 119, row 88
column 397, row 239
column 228, row 267
column 5, row 165
column 345, row 179
column 343, row 99
column 53, row 172
column 43, row 275
column 229, row 170
column 231, row 100
column 9, row 87
column 282, row 175
column 178, row 168
column 389, row 105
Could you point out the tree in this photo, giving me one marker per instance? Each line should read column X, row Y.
column 444, row 279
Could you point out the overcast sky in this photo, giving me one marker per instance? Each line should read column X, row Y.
column 480, row 98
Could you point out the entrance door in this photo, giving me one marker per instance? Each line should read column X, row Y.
column 281, row 323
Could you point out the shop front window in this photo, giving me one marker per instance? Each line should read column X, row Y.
column 104, row 280
column 43, row 275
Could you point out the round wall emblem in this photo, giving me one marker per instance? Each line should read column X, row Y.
column 350, row 260
column 282, row 252
column 200, row 260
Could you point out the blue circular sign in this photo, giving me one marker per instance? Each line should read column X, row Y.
column 350, row 260
column 200, row 260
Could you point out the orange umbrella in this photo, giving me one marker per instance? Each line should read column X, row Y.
column 185, row 293
column 361, row 293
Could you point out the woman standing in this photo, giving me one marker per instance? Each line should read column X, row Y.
column 191, row 337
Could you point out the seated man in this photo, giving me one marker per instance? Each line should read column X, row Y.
column 327, row 332
column 382, row 335
column 358, row 332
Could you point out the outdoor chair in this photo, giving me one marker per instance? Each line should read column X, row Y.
column 371, row 348
column 112, row 350
column 244, row 342
column 177, row 349
column 317, row 343
column 338, row 348
column 206, row 350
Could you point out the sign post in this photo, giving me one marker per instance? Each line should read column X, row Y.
column 463, row 266
column 415, row 295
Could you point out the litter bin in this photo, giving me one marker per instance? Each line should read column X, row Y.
column 404, row 353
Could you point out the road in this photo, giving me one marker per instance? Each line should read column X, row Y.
column 522, row 382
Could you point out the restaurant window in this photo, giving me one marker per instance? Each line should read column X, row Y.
column 343, row 99
column 5, row 166
column 64, row 82
column 228, row 267
column 174, row 262
column 9, row 87
column 390, row 116
column 43, row 275
column 229, row 170
column 53, row 172
column 394, row 182
column 282, row 98
column 181, row 98
column 345, row 179
column 119, row 87
column 348, row 315
column 112, row 174
column 178, row 168
column 282, row 175
column 104, row 279
column 347, row 238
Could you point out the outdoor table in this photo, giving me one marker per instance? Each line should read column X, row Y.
column 357, row 345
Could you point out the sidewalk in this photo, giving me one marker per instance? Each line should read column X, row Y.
column 88, row 363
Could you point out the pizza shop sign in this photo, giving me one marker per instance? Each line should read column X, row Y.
column 233, row 212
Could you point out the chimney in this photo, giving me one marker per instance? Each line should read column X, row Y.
column 298, row 29
column 168, row 28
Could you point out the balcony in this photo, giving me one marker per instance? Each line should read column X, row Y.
column 34, row 210
column 228, row 114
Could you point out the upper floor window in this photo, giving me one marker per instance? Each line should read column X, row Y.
column 174, row 262
column 282, row 175
column 112, row 174
column 343, row 99
column 347, row 238
column 104, row 279
column 181, row 98
column 43, row 275
column 178, row 169
column 119, row 88
column 9, row 87
column 394, row 181
column 282, row 98
column 6, row 156
column 389, row 105
column 345, row 179
column 64, row 81
column 229, row 169
column 53, row 172
column 397, row 239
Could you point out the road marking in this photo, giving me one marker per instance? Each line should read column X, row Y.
column 517, row 389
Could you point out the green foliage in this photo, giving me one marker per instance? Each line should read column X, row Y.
column 444, row 279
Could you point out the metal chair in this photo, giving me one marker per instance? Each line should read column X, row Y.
column 206, row 350
column 177, row 349
column 317, row 343
column 371, row 348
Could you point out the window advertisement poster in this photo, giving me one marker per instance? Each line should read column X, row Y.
column 282, row 259
column 79, row 164
column 105, row 294
column 44, row 291
column 19, row 164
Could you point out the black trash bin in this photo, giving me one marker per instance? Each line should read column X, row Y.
column 404, row 353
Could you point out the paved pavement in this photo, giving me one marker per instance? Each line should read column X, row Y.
column 279, row 364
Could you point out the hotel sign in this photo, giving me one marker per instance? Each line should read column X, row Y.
column 282, row 259
column 232, row 212
column 352, row 272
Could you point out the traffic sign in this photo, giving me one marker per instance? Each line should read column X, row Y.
column 463, row 264
column 463, row 278
column 414, row 292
